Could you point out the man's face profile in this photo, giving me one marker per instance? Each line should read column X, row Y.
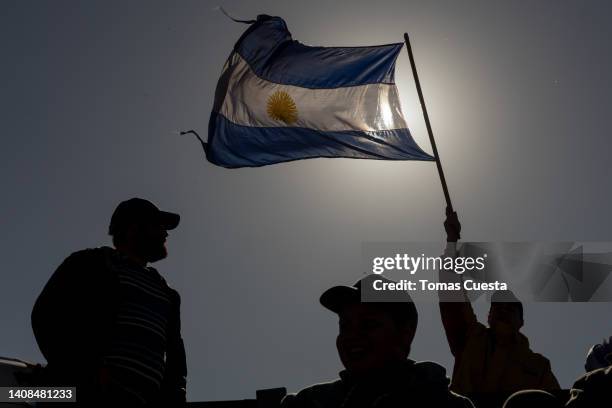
column 369, row 338
column 150, row 240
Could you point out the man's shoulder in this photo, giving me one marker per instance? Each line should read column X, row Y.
column 90, row 255
column 429, row 384
column 429, row 372
column 316, row 395
column 594, row 377
column 535, row 360
column 325, row 389
column 82, row 277
column 175, row 297
column 539, row 359
column 89, row 265
column 430, row 379
column 593, row 387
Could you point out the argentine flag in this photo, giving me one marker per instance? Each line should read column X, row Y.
column 278, row 100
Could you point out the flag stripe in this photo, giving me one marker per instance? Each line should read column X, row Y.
column 278, row 100
column 375, row 106
column 269, row 50
column 248, row 146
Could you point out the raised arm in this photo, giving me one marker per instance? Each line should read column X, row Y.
column 455, row 307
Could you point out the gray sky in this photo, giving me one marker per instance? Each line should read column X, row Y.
column 518, row 94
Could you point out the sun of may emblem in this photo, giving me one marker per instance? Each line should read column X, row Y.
column 282, row 107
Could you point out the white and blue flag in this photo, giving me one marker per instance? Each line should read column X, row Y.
column 278, row 100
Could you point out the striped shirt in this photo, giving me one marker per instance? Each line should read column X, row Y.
column 136, row 357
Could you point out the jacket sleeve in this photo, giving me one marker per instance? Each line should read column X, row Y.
column 299, row 400
column 72, row 314
column 175, row 377
column 455, row 308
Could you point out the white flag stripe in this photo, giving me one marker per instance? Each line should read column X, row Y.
column 369, row 107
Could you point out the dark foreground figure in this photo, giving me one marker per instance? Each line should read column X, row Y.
column 109, row 324
column 373, row 343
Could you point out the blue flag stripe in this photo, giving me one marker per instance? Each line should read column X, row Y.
column 271, row 53
column 234, row 146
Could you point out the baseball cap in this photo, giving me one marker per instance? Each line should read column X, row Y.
column 137, row 210
column 507, row 297
column 398, row 303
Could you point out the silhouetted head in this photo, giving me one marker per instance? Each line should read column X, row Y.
column 506, row 313
column 599, row 356
column 139, row 229
column 372, row 335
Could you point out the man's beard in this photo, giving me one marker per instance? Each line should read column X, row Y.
column 157, row 252
column 154, row 251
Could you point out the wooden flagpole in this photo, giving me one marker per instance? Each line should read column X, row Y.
column 431, row 136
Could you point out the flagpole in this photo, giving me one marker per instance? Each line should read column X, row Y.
column 429, row 131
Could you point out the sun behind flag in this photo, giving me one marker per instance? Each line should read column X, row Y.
column 278, row 100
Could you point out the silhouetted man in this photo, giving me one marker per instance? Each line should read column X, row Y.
column 496, row 358
column 109, row 324
column 373, row 343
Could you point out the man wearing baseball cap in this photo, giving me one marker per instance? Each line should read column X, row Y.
column 373, row 343
column 109, row 324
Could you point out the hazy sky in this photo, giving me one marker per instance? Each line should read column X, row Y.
column 93, row 92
